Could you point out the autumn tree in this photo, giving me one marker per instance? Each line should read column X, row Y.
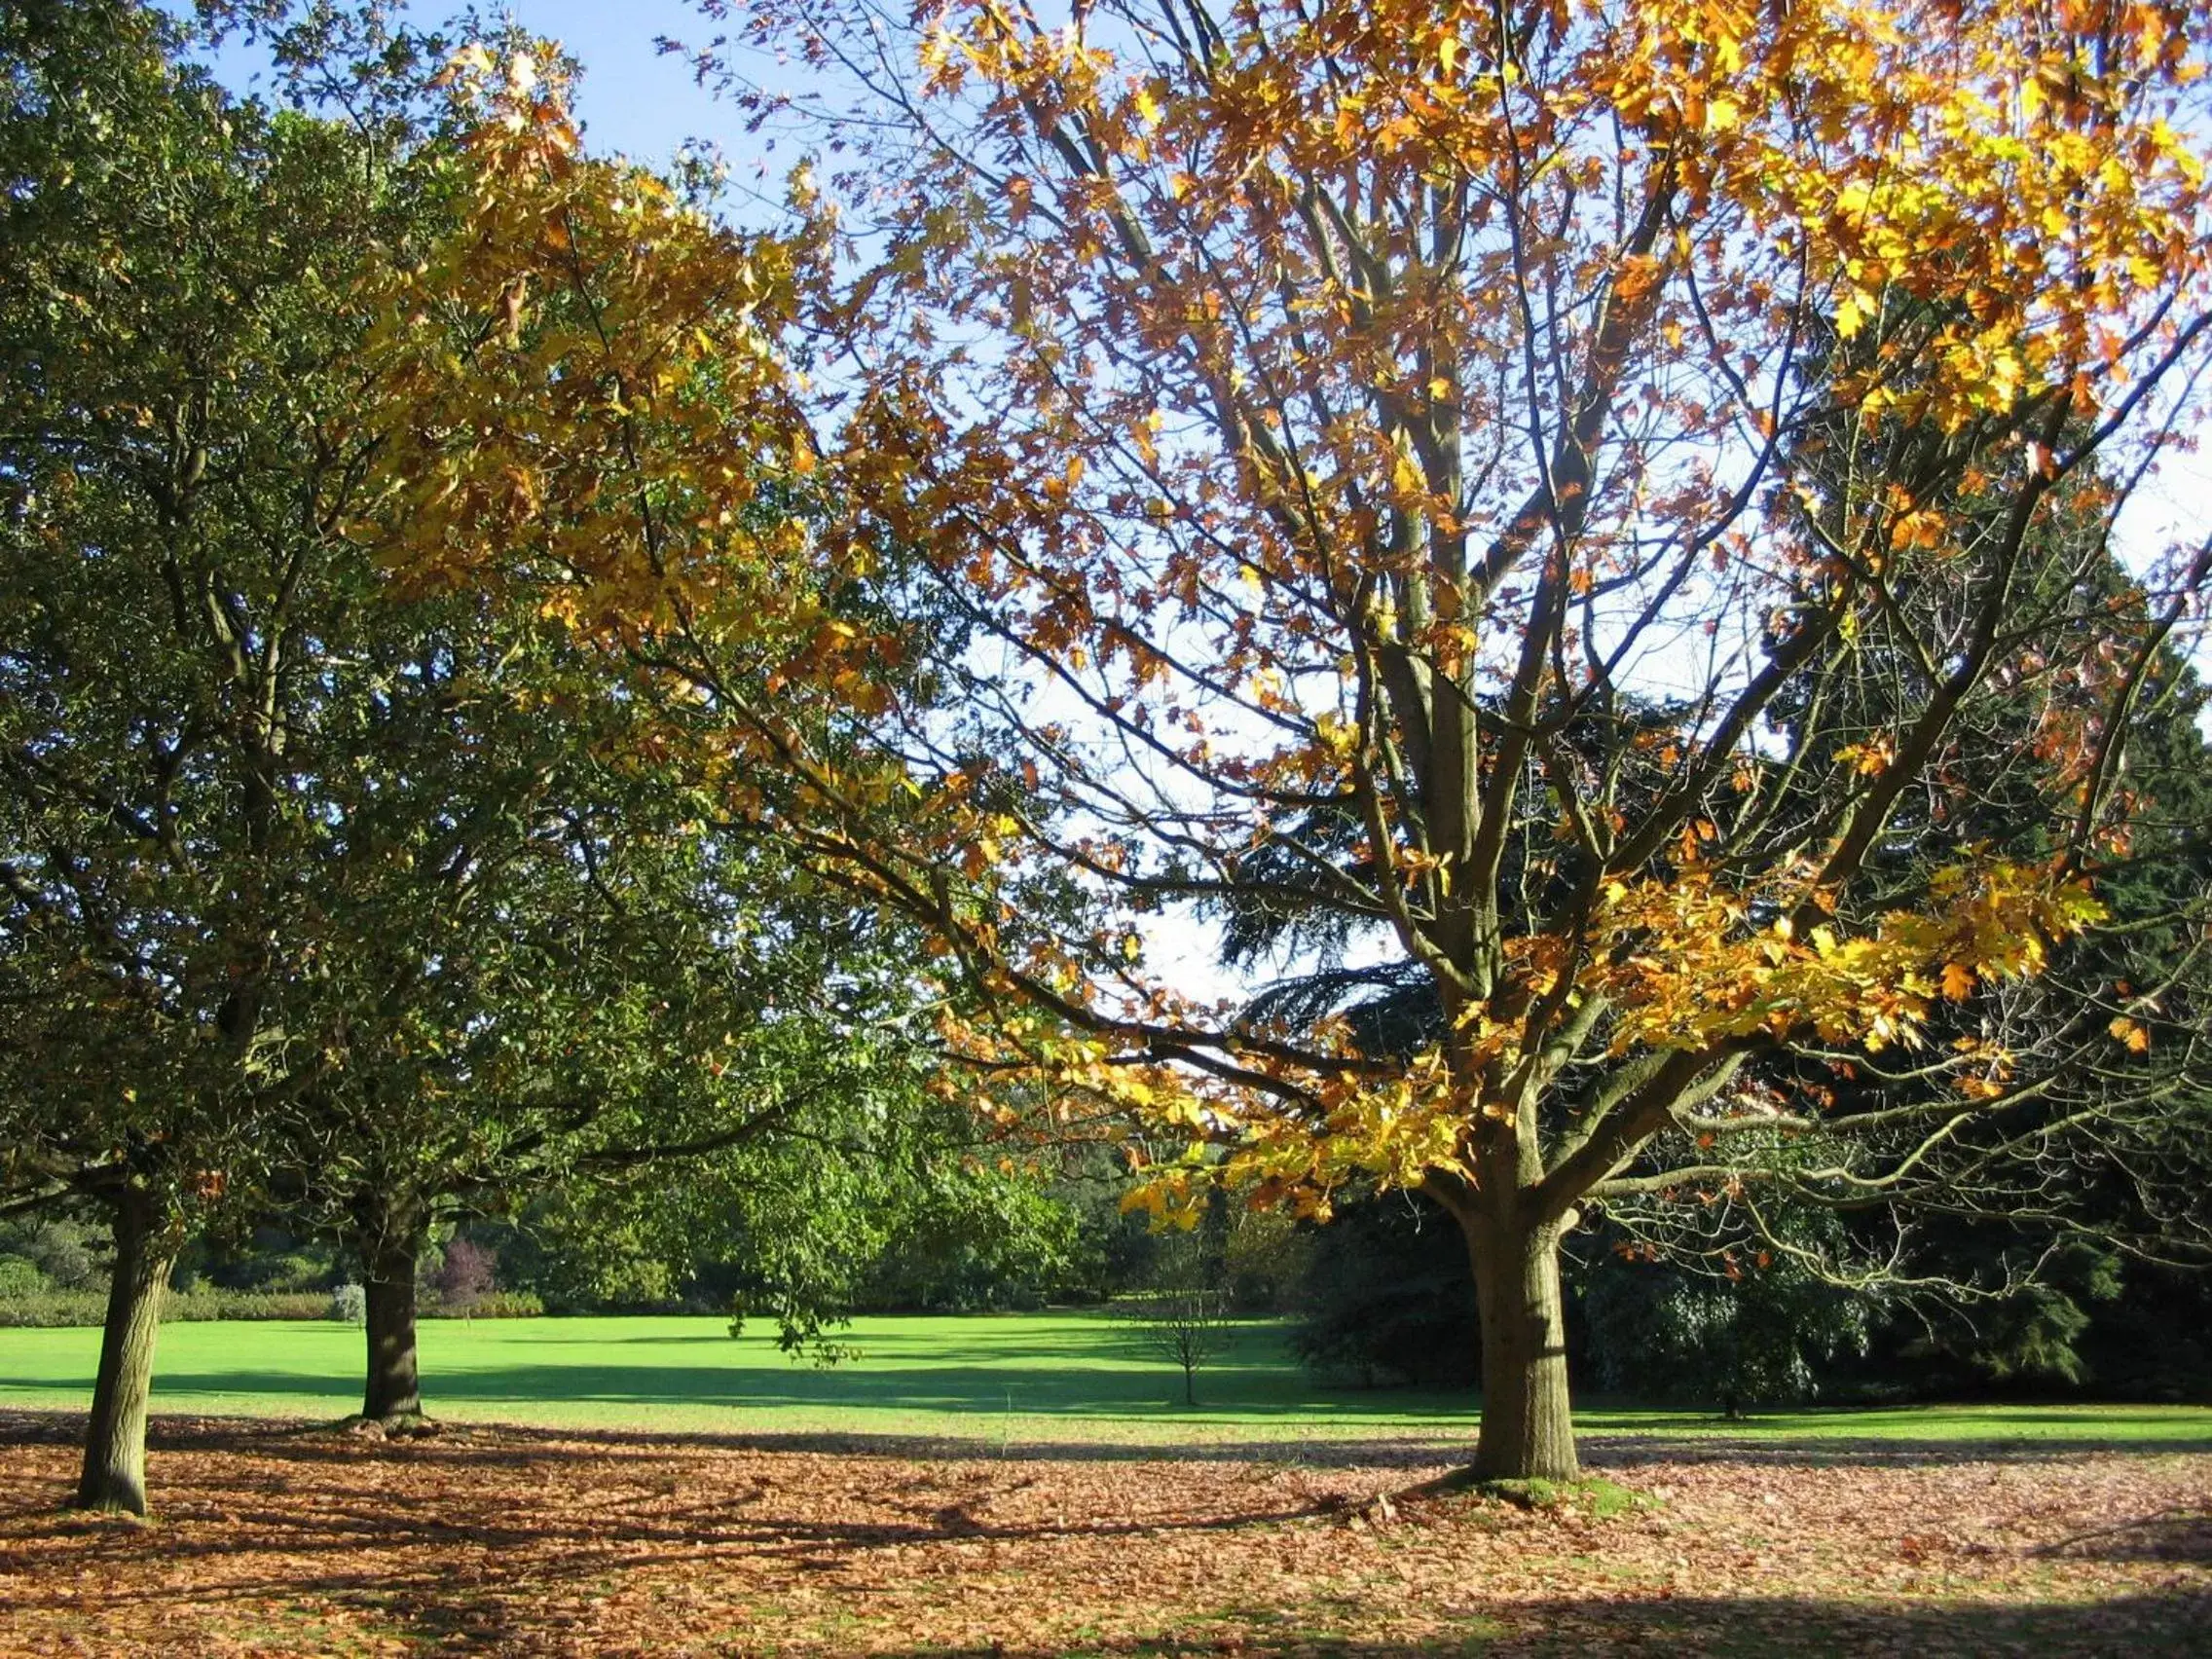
column 1394, row 465
column 542, row 960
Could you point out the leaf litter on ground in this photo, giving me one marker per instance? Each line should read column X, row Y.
column 271, row 1540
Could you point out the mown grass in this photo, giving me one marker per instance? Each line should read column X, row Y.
column 1006, row 1379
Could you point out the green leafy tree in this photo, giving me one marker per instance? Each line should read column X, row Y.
column 1740, row 1327
column 179, row 449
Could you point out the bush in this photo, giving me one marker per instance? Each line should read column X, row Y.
column 466, row 1276
column 1763, row 1332
column 348, row 1305
column 1387, row 1298
column 297, row 1271
column 493, row 1305
column 203, row 1304
column 54, row 1307
column 68, row 1253
column 192, row 1307
column 19, row 1277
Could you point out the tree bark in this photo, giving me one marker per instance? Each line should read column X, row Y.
column 393, row 1387
column 114, row 1476
column 1528, row 1426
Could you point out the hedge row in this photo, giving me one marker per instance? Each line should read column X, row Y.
column 90, row 1307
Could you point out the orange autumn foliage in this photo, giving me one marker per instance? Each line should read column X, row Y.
column 1548, row 488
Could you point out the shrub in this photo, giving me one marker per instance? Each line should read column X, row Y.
column 68, row 1253
column 466, row 1276
column 297, row 1271
column 1764, row 1335
column 54, row 1307
column 1385, row 1299
column 19, row 1277
column 348, row 1303
column 203, row 1305
column 495, row 1304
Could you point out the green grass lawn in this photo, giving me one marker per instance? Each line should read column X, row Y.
column 998, row 1380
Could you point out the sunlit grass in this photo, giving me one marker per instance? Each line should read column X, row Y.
column 1005, row 1380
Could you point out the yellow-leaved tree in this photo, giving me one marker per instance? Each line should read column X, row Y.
column 1558, row 494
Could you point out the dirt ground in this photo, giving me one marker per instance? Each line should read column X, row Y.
column 274, row 1540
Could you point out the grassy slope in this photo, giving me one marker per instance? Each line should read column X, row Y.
column 1015, row 1379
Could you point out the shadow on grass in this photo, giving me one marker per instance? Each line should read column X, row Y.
column 1237, row 1392
column 1790, row 1447
column 1231, row 1395
column 496, row 1444
column 1329, row 1446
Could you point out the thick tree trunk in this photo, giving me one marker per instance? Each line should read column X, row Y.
column 1527, row 1427
column 392, row 1390
column 114, row 1474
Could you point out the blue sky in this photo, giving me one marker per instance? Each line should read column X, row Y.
column 633, row 100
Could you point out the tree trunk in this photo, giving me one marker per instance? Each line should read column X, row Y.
column 389, row 1268
column 114, row 1476
column 1527, row 1427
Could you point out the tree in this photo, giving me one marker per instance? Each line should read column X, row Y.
column 1414, row 432
column 1181, row 1313
column 529, row 967
column 174, row 462
column 597, row 974
column 467, row 1275
column 373, row 904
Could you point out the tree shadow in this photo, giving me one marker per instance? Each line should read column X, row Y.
column 2171, row 1535
column 1783, row 1450
column 315, row 1514
column 497, row 1442
column 2158, row 1626
column 1244, row 1389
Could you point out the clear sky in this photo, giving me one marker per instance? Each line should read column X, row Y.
column 633, row 100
